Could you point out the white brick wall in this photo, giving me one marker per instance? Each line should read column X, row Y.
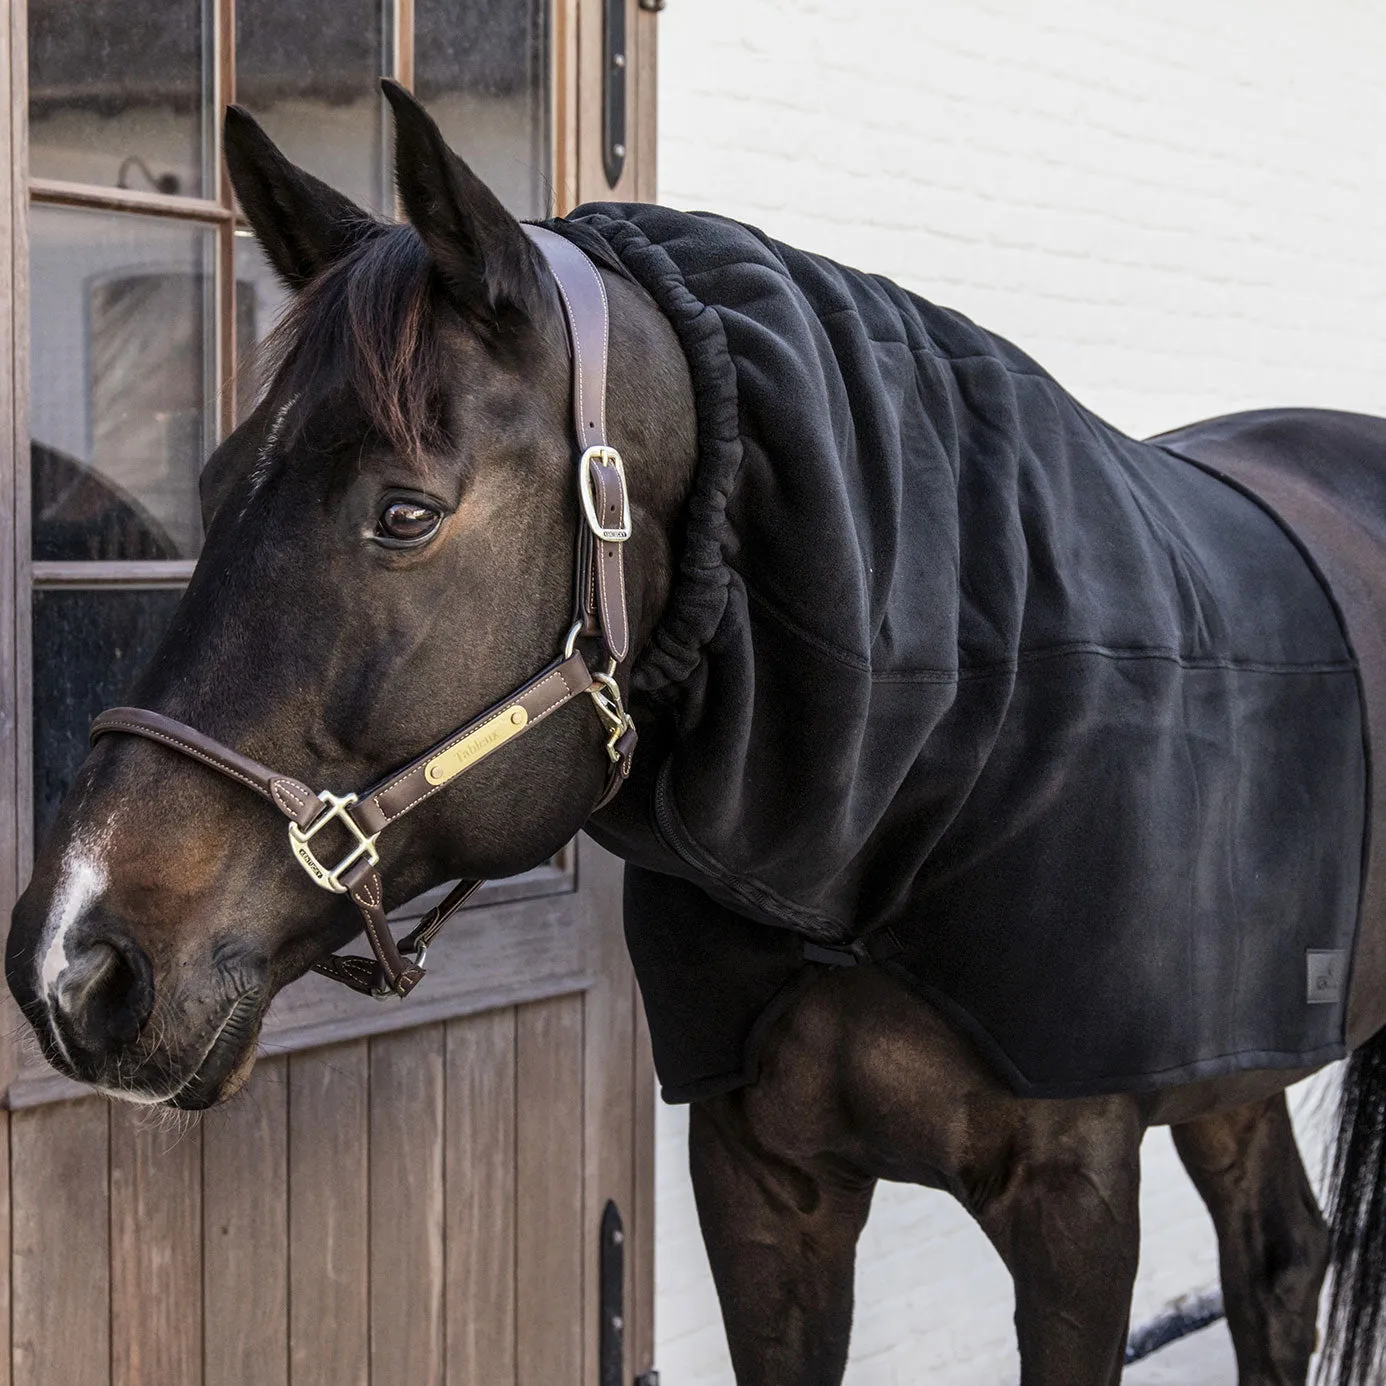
column 1180, row 209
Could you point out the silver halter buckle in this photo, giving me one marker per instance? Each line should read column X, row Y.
column 603, row 457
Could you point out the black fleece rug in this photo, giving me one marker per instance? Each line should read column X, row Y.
column 1056, row 727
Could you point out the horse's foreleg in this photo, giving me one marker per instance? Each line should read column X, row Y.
column 1062, row 1208
column 781, row 1237
column 1272, row 1243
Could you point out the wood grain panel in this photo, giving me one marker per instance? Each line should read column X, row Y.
column 22, row 743
column 223, row 95
column 563, row 89
column 5, row 1248
column 498, row 956
column 329, row 1166
column 608, row 1111
column 156, row 1249
column 11, row 196
column 61, row 1255
column 640, row 1271
column 245, row 1177
column 479, row 1172
column 105, row 199
column 590, row 175
column 406, row 1208
column 403, row 43
column 549, row 1191
column 645, row 78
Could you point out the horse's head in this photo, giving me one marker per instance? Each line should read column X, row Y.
column 389, row 550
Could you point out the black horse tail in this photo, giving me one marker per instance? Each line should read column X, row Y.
column 1353, row 1351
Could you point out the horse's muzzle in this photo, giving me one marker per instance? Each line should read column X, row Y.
column 103, row 998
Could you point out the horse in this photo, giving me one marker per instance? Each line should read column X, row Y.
column 399, row 512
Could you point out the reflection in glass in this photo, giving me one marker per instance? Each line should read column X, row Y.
column 89, row 647
column 309, row 71
column 118, row 93
column 121, row 350
column 261, row 300
column 481, row 67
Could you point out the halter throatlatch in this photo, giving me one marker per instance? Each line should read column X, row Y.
column 599, row 611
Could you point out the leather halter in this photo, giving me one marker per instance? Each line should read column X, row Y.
column 599, row 610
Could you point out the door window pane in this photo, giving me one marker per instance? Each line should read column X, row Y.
column 309, row 71
column 481, row 68
column 121, row 351
column 261, row 300
column 118, row 92
column 89, row 647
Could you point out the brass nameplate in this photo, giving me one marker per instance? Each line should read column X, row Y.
column 480, row 743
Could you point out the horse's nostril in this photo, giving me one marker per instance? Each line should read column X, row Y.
column 106, row 993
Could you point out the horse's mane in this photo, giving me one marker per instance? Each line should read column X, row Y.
column 369, row 324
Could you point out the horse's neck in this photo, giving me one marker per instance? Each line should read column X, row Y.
column 652, row 420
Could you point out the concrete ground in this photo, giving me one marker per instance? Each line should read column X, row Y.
column 1202, row 1359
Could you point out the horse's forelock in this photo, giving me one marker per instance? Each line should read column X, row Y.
column 370, row 324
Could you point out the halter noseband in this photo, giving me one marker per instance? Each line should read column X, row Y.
column 599, row 609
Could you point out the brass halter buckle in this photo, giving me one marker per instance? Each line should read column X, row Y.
column 607, row 696
column 299, row 838
column 603, row 457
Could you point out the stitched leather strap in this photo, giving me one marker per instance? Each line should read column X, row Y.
column 293, row 798
column 583, row 296
column 543, row 695
column 600, row 578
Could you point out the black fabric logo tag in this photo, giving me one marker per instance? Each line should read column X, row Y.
column 1327, row 969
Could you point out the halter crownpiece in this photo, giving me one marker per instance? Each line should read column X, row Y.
column 599, row 610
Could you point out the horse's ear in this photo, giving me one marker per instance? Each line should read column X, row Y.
column 485, row 259
column 302, row 224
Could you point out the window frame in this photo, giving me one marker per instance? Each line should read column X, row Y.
column 530, row 907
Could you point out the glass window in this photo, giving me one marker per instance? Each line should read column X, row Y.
column 262, row 300
column 89, row 647
column 130, row 369
column 118, row 93
column 121, row 352
column 310, row 73
column 481, row 68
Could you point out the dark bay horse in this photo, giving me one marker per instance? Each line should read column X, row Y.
column 389, row 550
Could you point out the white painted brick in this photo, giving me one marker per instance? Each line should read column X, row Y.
column 1178, row 209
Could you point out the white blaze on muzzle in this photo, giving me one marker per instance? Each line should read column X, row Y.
column 82, row 879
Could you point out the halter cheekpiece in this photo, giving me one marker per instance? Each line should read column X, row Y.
column 599, row 610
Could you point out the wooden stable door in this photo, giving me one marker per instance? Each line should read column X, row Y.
column 410, row 1206
column 404, row 1194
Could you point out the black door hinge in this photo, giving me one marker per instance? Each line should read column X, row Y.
column 611, row 1361
column 614, row 91
column 611, row 1276
column 650, row 5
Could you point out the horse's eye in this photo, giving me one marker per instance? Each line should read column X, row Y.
column 408, row 522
